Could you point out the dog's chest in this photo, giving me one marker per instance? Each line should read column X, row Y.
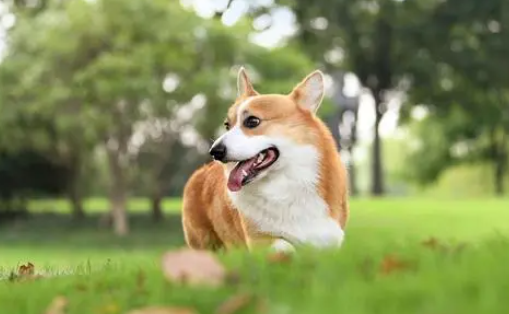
column 289, row 209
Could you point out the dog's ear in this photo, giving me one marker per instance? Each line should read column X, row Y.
column 309, row 93
column 244, row 86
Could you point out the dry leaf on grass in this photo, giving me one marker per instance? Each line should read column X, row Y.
column 234, row 304
column 163, row 310
column 391, row 264
column 57, row 306
column 26, row 270
column 433, row 244
column 193, row 267
column 280, row 257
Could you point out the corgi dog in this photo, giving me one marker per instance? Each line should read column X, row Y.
column 277, row 179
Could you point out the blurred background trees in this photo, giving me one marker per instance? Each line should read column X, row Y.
column 121, row 98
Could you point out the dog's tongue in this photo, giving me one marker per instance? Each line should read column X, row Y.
column 239, row 173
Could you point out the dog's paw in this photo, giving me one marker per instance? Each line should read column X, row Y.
column 281, row 245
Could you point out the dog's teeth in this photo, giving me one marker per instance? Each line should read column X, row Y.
column 244, row 173
column 260, row 158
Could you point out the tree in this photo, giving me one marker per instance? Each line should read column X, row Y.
column 361, row 37
column 115, row 76
column 25, row 174
column 203, row 115
column 28, row 123
column 91, row 66
column 462, row 83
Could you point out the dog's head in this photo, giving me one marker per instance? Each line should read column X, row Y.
column 264, row 132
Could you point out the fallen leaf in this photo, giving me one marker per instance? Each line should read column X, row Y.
column 234, row 303
column 279, row 257
column 57, row 306
column 163, row 310
column 193, row 267
column 391, row 264
column 24, row 273
column 26, row 270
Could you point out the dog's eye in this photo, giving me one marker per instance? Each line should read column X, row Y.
column 226, row 125
column 251, row 122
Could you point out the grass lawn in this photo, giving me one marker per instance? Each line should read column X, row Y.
column 100, row 273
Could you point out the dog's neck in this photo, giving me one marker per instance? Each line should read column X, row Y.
column 286, row 202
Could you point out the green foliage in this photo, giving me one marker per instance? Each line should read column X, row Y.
column 97, row 205
column 463, row 180
column 368, row 38
column 429, row 151
column 79, row 77
column 462, row 85
column 27, row 174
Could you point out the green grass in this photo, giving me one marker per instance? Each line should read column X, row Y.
column 98, row 205
column 99, row 273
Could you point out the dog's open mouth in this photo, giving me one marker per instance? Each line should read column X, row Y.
column 245, row 171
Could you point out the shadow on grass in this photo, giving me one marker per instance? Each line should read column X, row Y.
column 54, row 230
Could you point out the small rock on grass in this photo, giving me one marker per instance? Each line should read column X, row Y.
column 193, row 267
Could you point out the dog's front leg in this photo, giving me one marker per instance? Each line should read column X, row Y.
column 325, row 234
column 276, row 244
column 281, row 245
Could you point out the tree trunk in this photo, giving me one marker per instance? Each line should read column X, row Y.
column 156, row 200
column 118, row 194
column 333, row 124
column 377, row 187
column 500, row 163
column 352, row 176
column 76, row 200
column 118, row 205
column 74, row 192
column 499, row 177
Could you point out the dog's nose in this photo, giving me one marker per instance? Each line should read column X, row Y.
column 218, row 152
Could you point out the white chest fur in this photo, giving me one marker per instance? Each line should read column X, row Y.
column 285, row 203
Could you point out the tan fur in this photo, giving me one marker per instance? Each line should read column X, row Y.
column 210, row 221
